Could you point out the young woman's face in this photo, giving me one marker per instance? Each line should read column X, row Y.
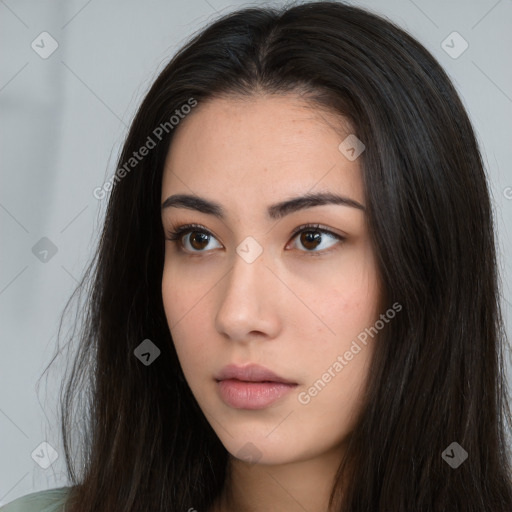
column 244, row 289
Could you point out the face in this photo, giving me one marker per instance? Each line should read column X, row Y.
column 289, row 288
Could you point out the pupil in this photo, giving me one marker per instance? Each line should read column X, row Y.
column 311, row 237
column 198, row 244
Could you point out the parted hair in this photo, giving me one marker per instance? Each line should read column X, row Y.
column 135, row 438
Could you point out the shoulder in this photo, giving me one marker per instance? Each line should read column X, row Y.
column 51, row 500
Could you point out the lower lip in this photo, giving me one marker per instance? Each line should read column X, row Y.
column 252, row 395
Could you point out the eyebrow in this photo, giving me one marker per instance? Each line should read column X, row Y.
column 274, row 212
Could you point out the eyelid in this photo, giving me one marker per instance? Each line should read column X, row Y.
column 177, row 232
column 317, row 227
column 322, row 229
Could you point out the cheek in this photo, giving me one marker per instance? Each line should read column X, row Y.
column 183, row 306
column 348, row 302
column 349, row 307
column 340, row 402
column 337, row 369
column 355, row 296
column 181, row 294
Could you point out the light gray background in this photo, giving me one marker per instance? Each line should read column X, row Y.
column 63, row 121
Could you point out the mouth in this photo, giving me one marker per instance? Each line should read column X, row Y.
column 251, row 373
column 251, row 386
column 252, row 395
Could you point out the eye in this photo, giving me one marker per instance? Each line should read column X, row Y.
column 197, row 242
column 313, row 236
column 195, row 238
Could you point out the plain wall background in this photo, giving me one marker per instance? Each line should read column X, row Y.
column 63, row 120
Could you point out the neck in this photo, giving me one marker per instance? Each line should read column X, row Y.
column 292, row 487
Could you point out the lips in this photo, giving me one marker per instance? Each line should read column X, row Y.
column 251, row 387
column 250, row 373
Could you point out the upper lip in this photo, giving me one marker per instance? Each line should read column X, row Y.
column 250, row 373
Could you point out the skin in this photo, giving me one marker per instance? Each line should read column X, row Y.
column 289, row 310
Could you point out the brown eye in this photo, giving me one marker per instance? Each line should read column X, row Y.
column 310, row 239
column 198, row 240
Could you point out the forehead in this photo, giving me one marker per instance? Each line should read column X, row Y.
column 263, row 147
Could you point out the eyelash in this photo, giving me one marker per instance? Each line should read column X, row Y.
column 178, row 233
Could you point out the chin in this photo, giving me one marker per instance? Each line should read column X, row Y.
column 261, row 450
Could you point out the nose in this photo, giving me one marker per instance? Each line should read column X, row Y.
column 249, row 301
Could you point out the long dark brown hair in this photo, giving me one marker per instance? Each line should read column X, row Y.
column 135, row 438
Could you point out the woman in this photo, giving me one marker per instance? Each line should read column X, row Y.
column 294, row 304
